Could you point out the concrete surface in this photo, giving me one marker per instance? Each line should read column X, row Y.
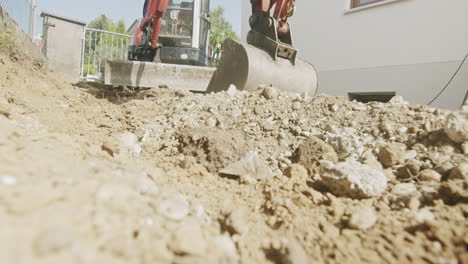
column 62, row 45
column 150, row 74
column 408, row 46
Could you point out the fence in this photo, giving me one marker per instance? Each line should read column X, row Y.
column 23, row 12
column 98, row 46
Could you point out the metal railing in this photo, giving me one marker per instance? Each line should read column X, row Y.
column 23, row 12
column 98, row 46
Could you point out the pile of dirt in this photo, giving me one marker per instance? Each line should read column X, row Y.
column 95, row 174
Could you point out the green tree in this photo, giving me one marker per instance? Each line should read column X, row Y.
column 120, row 27
column 220, row 30
column 102, row 23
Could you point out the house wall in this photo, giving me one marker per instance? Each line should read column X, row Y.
column 63, row 46
column 412, row 47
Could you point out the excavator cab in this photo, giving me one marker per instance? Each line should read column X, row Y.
column 183, row 36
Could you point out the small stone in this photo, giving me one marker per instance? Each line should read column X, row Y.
column 403, row 194
column 129, row 142
column 250, row 164
column 333, row 108
column 211, row 122
column 453, row 192
column 353, row 179
column 459, row 172
column 409, row 169
column 312, row 151
column 287, row 252
column 363, row 218
column 188, row 240
column 423, row 216
column 392, row 154
column 227, row 246
column 369, row 159
column 297, row 171
column 430, row 175
column 404, row 189
column 411, row 154
column 398, row 100
column 174, row 207
column 247, row 179
column 464, row 147
column 296, row 106
column 270, row 93
column 456, row 126
column 232, row 90
column 444, row 168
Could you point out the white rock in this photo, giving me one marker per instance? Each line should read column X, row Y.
column 353, row 179
column 363, row 218
column 199, row 211
column 227, row 246
column 296, row 106
column 250, row 164
column 398, row 100
column 211, row 122
column 404, row 189
column 456, row 126
column 411, row 154
column 270, row 92
column 129, row 141
column 7, row 180
column 174, row 207
column 345, row 142
column 232, row 91
column 423, row 215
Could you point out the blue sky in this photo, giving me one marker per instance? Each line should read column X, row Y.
column 129, row 10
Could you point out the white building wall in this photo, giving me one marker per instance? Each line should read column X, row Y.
column 411, row 47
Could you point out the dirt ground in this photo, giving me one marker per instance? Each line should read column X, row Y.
column 94, row 174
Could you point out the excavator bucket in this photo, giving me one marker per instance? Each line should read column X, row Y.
column 153, row 75
column 247, row 67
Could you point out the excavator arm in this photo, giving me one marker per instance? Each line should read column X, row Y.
column 283, row 10
column 271, row 32
column 153, row 17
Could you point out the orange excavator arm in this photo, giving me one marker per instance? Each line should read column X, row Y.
column 283, row 10
column 153, row 16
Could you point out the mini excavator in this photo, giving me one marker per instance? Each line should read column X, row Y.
column 174, row 34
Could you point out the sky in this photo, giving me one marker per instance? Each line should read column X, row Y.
column 128, row 10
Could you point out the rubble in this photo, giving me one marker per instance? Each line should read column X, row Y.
column 429, row 175
column 249, row 165
column 363, row 218
column 456, row 126
column 139, row 174
column 353, row 179
column 460, row 171
column 312, row 151
column 392, row 154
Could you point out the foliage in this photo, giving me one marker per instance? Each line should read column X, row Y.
column 220, row 30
